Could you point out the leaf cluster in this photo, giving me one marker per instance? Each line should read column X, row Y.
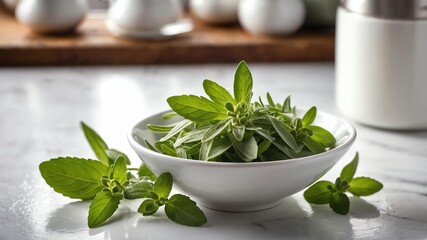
column 334, row 194
column 108, row 180
column 226, row 128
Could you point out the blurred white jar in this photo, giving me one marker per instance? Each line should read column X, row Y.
column 215, row 11
column 51, row 16
column 144, row 15
column 271, row 17
column 381, row 63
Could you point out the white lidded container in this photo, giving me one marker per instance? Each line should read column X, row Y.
column 381, row 62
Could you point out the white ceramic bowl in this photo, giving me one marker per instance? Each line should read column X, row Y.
column 242, row 187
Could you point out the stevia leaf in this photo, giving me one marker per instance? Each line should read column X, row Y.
column 314, row 146
column 286, row 108
column 286, row 136
column 74, row 177
column 216, row 129
column 309, row 117
column 138, row 190
column 263, row 146
column 198, row 109
column 219, row 146
column 119, row 170
column 102, row 208
column 247, row 149
column 318, row 193
column 176, row 130
column 192, row 136
column 270, row 100
column 163, row 185
column 148, row 207
column 364, row 186
column 97, row 144
column 160, row 128
column 238, row 132
column 182, row 210
column 322, row 136
column 340, row 203
column 217, row 93
column 205, row 149
column 349, row 170
column 113, row 154
column 144, row 171
column 242, row 83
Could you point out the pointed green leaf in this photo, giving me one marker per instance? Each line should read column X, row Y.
column 243, row 82
column 205, row 149
column 239, row 132
column 176, row 130
column 216, row 129
column 198, row 109
column 340, row 203
column 219, row 146
column 119, row 170
column 322, row 136
column 314, row 146
column 217, row 93
column 160, row 128
column 163, row 185
column 286, row 136
column 247, row 149
column 148, row 207
column 74, row 177
column 97, row 144
column 113, row 154
column 182, row 210
column 270, row 100
column 102, row 208
column 349, row 170
column 318, row 193
column 286, row 108
column 138, row 190
column 309, row 117
column 364, row 186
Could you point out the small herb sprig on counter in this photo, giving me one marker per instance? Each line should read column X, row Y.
column 108, row 180
column 232, row 129
column 325, row 192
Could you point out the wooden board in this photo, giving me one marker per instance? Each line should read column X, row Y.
column 93, row 45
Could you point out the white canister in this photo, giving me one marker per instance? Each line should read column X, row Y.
column 381, row 62
column 51, row 16
column 271, row 17
column 215, row 11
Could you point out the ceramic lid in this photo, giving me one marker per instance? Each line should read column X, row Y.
column 388, row 9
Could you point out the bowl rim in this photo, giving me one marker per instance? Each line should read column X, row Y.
column 347, row 143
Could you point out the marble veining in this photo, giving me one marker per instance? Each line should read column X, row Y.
column 40, row 109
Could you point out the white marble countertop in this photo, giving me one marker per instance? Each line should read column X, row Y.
column 40, row 110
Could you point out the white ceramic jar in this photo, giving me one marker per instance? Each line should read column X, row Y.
column 271, row 17
column 51, row 16
column 381, row 63
column 144, row 15
column 215, row 11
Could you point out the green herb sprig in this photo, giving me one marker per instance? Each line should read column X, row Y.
column 325, row 192
column 108, row 180
column 228, row 128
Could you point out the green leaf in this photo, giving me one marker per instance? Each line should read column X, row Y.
column 349, row 170
column 160, row 128
column 239, row 132
column 340, row 203
column 247, row 149
column 74, row 177
column 102, row 208
column 182, row 210
column 163, row 185
column 318, row 193
column 322, row 136
column 270, row 100
column 219, row 146
column 314, row 146
column 285, row 149
column 168, row 151
column 119, row 170
column 217, row 93
column 364, row 186
column 113, row 154
column 282, row 130
column 286, row 108
column 198, row 109
column 169, row 115
column 263, row 146
column 97, row 144
column 140, row 189
column 144, row 171
column 176, row 129
column 148, row 207
column 242, row 83
column 216, row 130
column 192, row 136
column 309, row 117
column 205, row 149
